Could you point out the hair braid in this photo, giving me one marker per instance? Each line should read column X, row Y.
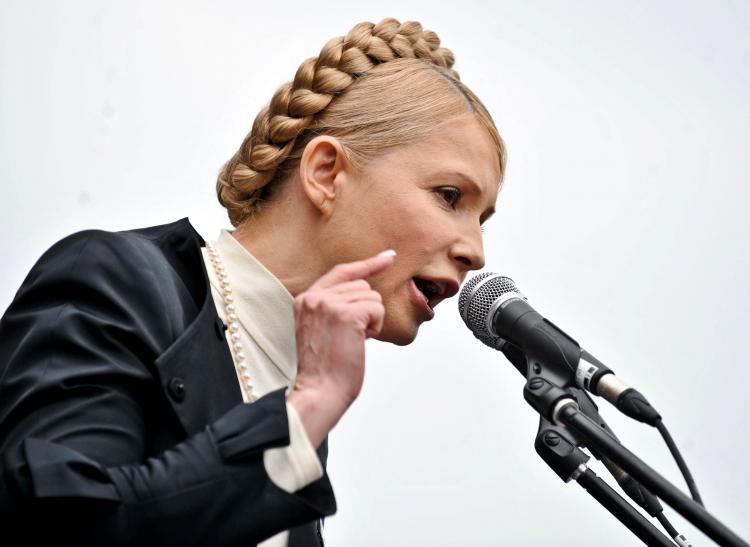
column 317, row 82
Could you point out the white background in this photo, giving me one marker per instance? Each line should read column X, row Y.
column 624, row 219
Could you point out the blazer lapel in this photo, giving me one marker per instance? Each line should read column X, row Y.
column 196, row 371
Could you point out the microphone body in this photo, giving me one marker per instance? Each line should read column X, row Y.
column 498, row 314
column 545, row 344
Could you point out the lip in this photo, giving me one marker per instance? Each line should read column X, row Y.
column 418, row 299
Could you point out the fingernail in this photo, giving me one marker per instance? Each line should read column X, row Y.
column 389, row 252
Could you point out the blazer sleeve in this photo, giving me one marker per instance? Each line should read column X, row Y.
column 76, row 347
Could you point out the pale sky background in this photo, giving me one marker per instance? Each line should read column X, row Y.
column 624, row 219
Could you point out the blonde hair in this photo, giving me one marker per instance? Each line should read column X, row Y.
column 379, row 87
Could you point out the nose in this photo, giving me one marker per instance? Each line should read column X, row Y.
column 468, row 250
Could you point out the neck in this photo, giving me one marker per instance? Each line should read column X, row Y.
column 286, row 243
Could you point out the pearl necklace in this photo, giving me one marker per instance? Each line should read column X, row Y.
column 239, row 357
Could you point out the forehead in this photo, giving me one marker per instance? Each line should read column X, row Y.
column 461, row 148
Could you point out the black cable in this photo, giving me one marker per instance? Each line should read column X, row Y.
column 680, row 462
column 681, row 540
column 667, row 525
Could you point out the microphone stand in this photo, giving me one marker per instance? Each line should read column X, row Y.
column 559, row 449
column 688, row 508
column 559, row 406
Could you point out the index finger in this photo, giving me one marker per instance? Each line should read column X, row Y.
column 356, row 270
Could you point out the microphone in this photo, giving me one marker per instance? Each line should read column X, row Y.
column 499, row 315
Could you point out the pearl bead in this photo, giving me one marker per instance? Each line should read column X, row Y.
column 240, row 359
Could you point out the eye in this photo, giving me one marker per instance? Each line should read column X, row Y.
column 450, row 195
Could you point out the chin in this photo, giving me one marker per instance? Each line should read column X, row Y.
column 400, row 335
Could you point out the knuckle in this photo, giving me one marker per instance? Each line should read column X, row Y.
column 308, row 300
column 361, row 284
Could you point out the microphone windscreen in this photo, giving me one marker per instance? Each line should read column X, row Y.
column 476, row 300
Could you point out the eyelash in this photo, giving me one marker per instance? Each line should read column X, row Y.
column 445, row 190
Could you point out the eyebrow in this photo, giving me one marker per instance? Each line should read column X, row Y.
column 458, row 174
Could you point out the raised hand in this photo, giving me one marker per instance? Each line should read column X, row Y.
column 333, row 319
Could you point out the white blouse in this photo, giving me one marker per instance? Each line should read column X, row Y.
column 265, row 311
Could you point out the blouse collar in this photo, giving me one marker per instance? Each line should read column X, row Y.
column 263, row 304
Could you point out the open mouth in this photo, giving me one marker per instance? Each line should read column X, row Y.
column 430, row 292
column 429, row 289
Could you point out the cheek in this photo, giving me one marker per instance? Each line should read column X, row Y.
column 420, row 247
column 421, row 243
column 417, row 229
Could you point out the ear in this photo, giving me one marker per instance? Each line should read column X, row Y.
column 322, row 169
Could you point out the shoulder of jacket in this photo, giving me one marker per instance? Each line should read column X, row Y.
column 178, row 233
column 136, row 251
column 177, row 230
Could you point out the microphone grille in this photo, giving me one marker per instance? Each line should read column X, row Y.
column 477, row 297
column 467, row 289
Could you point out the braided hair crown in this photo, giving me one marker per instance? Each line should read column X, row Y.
column 295, row 108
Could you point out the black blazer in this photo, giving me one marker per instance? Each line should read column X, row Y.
column 121, row 416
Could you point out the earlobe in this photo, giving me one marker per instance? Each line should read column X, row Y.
column 320, row 169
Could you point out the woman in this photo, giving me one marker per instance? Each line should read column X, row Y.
column 157, row 388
